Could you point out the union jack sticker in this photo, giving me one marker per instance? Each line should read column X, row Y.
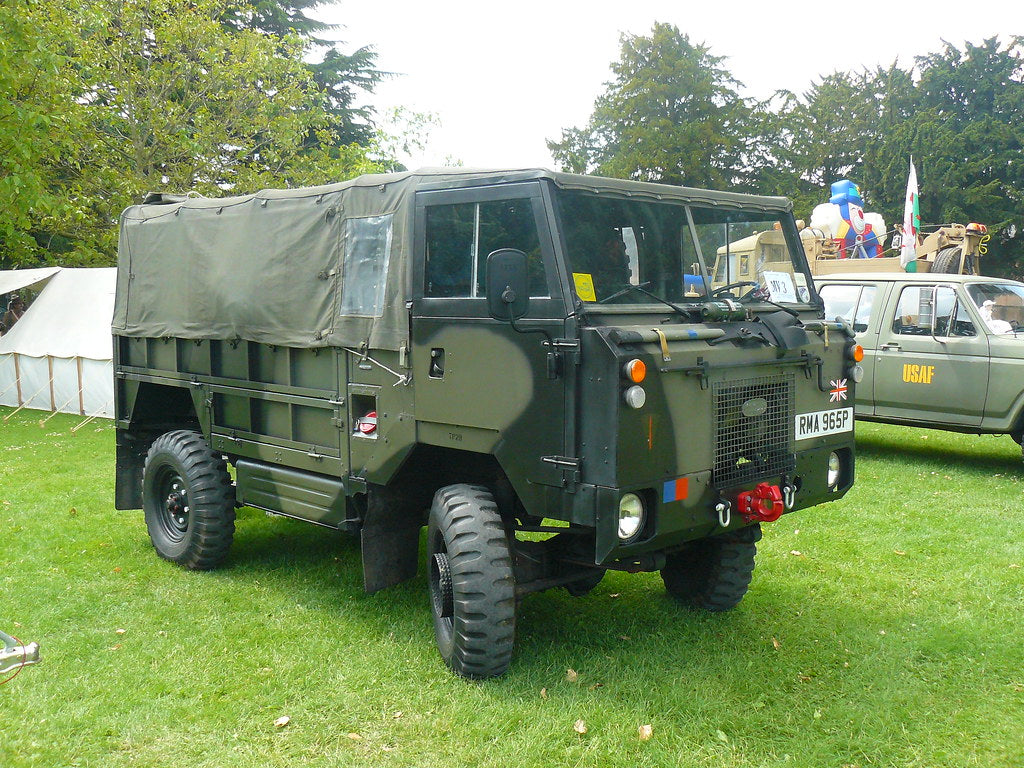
column 838, row 391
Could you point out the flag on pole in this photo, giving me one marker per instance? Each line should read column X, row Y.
column 911, row 223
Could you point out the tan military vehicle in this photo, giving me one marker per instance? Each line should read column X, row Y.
column 949, row 249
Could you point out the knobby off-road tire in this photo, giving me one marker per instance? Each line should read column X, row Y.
column 713, row 573
column 472, row 587
column 188, row 501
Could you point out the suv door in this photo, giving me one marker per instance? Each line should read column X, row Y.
column 938, row 379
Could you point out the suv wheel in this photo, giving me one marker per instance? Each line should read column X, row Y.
column 713, row 573
column 472, row 587
column 188, row 501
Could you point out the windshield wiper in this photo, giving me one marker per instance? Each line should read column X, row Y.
column 751, row 296
column 684, row 312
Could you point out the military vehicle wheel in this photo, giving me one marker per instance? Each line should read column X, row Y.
column 188, row 501
column 713, row 573
column 947, row 261
column 472, row 587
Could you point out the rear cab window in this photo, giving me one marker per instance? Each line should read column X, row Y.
column 850, row 301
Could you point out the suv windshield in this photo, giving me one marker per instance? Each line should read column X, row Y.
column 623, row 250
column 1001, row 305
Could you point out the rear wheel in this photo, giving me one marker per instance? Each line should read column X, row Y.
column 713, row 573
column 472, row 587
column 188, row 501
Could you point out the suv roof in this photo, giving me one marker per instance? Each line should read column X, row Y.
column 909, row 277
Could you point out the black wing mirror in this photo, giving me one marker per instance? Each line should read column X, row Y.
column 508, row 290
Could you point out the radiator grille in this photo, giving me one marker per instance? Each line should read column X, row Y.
column 753, row 420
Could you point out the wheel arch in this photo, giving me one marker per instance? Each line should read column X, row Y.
column 395, row 512
column 146, row 410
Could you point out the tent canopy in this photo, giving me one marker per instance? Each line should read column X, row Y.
column 57, row 357
column 70, row 318
column 16, row 279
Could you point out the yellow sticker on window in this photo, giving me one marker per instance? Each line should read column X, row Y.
column 584, row 286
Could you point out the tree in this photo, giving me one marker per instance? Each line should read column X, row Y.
column 671, row 114
column 960, row 115
column 972, row 128
column 339, row 78
column 161, row 96
column 37, row 125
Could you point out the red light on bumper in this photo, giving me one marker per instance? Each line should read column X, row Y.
column 764, row 504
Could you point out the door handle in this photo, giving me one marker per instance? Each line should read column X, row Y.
column 890, row 347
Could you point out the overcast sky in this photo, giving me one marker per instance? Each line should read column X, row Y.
column 503, row 77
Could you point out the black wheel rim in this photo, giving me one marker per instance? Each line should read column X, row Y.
column 441, row 598
column 175, row 511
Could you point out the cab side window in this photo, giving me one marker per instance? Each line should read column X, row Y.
column 853, row 303
column 459, row 237
column 917, row 306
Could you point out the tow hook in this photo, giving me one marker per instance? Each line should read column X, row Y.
column 764, row 504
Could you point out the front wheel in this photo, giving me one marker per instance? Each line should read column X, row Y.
column 713, row 573
column 472, row 587
column 188, row 501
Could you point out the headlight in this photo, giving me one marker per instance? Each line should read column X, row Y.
column 631, row 516
column 835, row 466
column 635, row 396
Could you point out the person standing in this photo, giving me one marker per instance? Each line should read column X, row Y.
column 15, row 309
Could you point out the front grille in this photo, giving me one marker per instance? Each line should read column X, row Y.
column 753, row 419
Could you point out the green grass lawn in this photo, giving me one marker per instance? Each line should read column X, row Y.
column 880, row 630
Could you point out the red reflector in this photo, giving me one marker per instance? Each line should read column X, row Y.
column 367, row 424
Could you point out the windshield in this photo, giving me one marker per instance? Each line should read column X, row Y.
column 1001, row 305
column 621, row 251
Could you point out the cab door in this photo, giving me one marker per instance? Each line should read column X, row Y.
column 941, row 378
column 482, row 385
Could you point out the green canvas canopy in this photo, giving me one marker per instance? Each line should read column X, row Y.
column 310, row 267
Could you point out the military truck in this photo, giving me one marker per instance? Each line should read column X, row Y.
column 538, row 367
column 940, row 351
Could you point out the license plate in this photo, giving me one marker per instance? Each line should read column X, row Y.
column 820, row 423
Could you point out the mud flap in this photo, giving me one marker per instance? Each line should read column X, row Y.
column 390, row 539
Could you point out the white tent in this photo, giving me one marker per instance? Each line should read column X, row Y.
column 57, row 357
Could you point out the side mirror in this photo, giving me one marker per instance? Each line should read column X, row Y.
column 508, row 291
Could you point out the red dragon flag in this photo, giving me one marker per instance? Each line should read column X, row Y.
column 911, row 223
